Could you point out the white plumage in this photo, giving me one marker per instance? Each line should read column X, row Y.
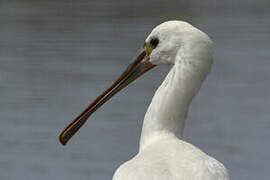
column 162, row 154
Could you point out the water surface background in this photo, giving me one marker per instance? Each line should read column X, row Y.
column 57, row 56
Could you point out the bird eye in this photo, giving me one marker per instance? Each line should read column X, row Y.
column 154, row 42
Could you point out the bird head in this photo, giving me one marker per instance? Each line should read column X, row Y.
column 169, row 43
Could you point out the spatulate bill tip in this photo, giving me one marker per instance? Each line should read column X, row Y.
column 62, row 140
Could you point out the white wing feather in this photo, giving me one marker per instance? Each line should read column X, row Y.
column 172, row 160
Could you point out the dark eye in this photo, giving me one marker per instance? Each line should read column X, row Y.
column 154, row 42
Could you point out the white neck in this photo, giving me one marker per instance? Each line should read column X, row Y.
column 166, row 114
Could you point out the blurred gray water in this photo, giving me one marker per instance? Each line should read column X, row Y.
column 56, row 57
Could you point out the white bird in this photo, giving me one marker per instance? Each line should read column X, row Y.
column 163, row 155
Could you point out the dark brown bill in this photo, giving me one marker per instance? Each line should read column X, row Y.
column 138, row 67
